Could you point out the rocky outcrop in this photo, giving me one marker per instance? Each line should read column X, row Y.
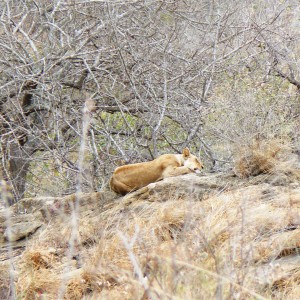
column 29, row 214
column 252, row 225
column 201, row 187
column 23, row 219
column 19, row 227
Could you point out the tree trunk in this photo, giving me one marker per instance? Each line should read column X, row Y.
column 18, row 167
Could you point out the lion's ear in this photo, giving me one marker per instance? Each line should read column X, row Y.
column 186, row 152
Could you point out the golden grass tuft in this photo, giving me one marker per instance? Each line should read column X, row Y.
column 169, row 221
column 292, row 289
column 38, row 284
column 288, row 285
column 175, row 249
column 264, row 157
column 38, row 260
column 37, row 278
column 89, row 281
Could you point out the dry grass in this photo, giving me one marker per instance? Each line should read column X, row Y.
column 265, row 157
column 226, row 245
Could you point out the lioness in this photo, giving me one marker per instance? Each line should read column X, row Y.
column 129, row 178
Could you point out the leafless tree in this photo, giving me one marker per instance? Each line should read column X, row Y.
column 150, row 67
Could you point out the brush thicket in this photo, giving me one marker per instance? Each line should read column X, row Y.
column 261, row 156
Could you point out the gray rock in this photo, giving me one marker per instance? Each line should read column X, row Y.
column 21, row 230
column 183, row 187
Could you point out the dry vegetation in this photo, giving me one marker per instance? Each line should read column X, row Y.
column 89, row 85
column 177, row 249
column 155, row 76
column 266, row 156
column 237, row 243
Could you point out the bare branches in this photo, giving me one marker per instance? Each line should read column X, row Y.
column 290, row 77
column 153, row 69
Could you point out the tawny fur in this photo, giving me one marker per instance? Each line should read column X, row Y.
column 129, row 178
